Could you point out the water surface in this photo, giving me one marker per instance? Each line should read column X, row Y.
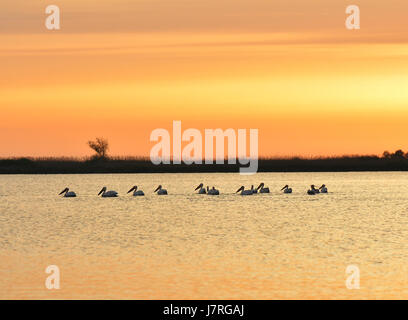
column 189, row 246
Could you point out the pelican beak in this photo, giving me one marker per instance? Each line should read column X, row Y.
column 283, row 188
column 101, row 191
column 131, row 189
column 198, row 187
column 63, row 191
column 157, row 189
column 239, row 190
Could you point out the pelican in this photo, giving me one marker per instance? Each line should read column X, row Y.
column 67, row 193
column 245, row 192
column 202, row 189
column 136, row 192
column 312, row 190
column 323, row 188
column 213, row 191
column 160, row 190
column 286, row 189
column 254, row 190
column 262, row 189
column 107, row 194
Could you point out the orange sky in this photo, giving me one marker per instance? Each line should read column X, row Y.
column 120, row 69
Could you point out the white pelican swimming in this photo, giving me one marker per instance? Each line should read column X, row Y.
column 213, row 191
column 312, row 191
column 202, row 189
column 67, row 193
column 286, row 189
column 245, row 192
column 160, row 190
column 262, row 189
column 107, row 194
column 323, row 188
column 136, row 192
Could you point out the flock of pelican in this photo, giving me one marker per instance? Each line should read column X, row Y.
column 201, row 190
column 312, row 191
column 211, row 192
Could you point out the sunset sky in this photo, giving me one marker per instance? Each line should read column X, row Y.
column 120, row 69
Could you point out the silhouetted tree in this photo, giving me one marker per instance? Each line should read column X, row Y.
column 399, row 154
column 100, row 146
column 386, row 155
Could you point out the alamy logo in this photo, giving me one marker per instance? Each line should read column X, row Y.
column 193, row 151
column 52, row 22
column 353, row 20
column 353, row 279
column 53, row 280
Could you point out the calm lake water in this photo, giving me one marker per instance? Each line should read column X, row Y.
column 190, row 246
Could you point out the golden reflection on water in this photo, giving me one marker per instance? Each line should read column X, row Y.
column 188, row 246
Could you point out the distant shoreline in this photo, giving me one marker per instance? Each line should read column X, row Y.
column 68, row 166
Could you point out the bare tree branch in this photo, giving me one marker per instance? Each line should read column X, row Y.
column 100, row 146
